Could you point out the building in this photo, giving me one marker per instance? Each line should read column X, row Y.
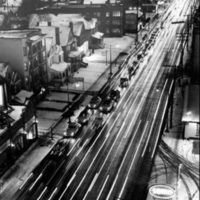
column 190, row 116
column 109, row 14
column 26, row 52
column 18, row 128
column 132, row 21
column 72, row 32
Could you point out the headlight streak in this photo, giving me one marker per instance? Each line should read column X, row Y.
column 102, row 188
column 74, row 175
column 120, row 194
column 94, row 159
column 30, row 175
column 42, row 193
column 154, row 118
column 154, row 149
column 53, row 193
column 91, row 185
column 81, row 148
column 73, row 147
column 35, row 182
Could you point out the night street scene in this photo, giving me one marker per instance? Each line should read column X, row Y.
column 99, row 99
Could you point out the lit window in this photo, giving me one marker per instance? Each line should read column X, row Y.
column 107, row 14
column 25, row 66
column 116, row 30
column 116, row 14
column 107, row 30
column 116, row 22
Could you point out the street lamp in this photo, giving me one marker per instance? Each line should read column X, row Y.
column 178, row 178
column 111, row 57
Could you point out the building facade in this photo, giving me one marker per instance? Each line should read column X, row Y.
column 109, row 14
column 18, row 129
column 26, row 52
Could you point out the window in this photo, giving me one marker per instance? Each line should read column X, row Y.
column 34, row 49
column 116, row 30
column 98, row 14
column 116, row 14
column 43, row 43
column 107, row 30
column 107, row 14
column 107, row 22
column 116, row 22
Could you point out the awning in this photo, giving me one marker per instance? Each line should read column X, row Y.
column 75, row 54
column 59, row 67
column 22, row 96
column 98, row 35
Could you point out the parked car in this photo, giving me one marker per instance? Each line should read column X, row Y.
column 115, row 95
column 94, row 102
column 84, row 116
column 124, row 82
column 60, row 148
column 72, row 129
column 107, row 105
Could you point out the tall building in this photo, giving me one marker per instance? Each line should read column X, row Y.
column 25, row 50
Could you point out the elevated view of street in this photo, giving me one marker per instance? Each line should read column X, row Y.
column 118, row 139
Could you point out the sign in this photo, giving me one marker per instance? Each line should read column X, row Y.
column 1, row 96
column 162, row 192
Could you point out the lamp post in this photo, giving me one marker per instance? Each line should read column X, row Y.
column 178, row 178
column 110, row 60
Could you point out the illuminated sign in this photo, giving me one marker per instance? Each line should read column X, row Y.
column 1, row 96
column 162, row 191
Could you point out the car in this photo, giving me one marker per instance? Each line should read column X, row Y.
column 84, row 116
column 60, row 148
column 115, row 95
column 72, row 129
column 124, row 82
column 94, row 102
column 107, row 105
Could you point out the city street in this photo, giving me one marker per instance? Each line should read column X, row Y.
column 114, row 161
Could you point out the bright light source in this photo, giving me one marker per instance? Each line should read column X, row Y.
column 188, row 113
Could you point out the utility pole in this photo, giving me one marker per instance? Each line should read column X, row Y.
column 136, row 39
column 110, row 60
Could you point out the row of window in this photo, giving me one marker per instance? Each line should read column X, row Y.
column 109, row 14
column 114, row 30
column 114, row 22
